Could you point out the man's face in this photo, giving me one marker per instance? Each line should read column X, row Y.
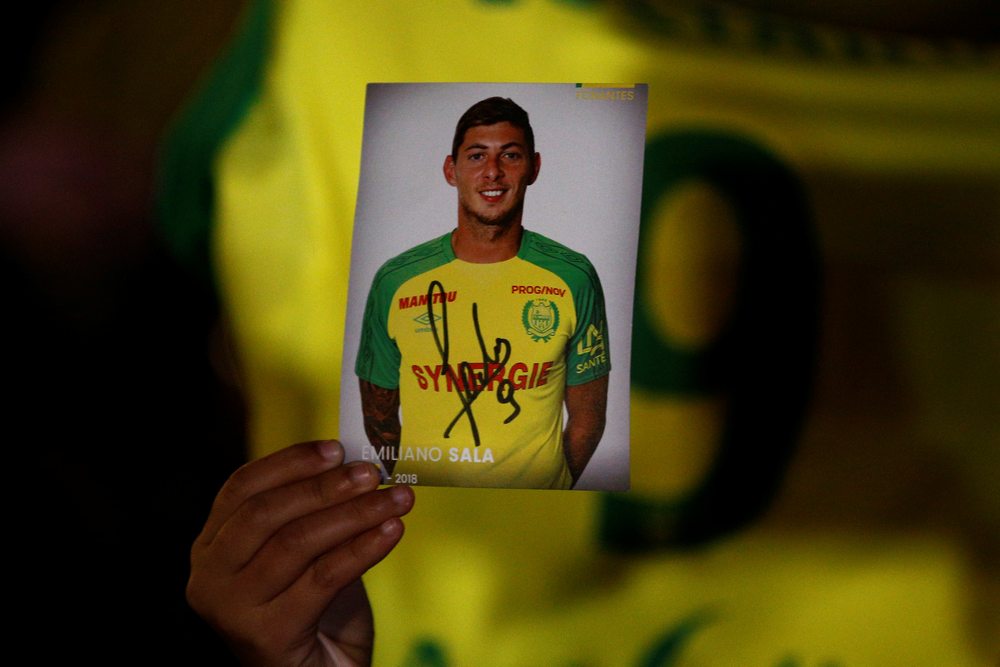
column 492, row 171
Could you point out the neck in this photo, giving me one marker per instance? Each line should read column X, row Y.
column 485, row 244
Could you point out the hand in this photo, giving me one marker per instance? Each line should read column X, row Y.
column 276, row 569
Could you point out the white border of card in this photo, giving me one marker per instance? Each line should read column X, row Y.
column 591, row 139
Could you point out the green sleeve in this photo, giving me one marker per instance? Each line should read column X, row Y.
column 378, row 356
column 588, row 356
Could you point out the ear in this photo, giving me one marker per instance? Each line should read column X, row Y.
column 449, row 171
column 536, row 165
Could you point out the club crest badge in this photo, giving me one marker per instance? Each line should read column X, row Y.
column 541, row 319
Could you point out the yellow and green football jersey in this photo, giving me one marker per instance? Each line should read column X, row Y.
column 802, row 187
column 481, row 355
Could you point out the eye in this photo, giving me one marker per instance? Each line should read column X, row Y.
column 512, row 156
column 475, row 157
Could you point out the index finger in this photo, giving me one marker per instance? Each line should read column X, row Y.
column 291, row 464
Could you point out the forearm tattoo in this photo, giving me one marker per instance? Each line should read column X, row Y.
column 381, row 414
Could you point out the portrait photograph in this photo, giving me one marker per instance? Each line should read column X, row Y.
column 492, row 275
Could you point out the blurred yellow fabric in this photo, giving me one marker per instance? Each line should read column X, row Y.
column 876, row 549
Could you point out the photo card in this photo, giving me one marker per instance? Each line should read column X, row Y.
column 489, row 314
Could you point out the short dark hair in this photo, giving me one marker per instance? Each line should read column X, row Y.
column 491, row 111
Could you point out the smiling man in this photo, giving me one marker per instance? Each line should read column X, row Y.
column 474, row 341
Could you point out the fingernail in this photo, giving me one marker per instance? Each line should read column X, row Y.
column 401, row 495
column 391, row 527
column 360, row 472
column 330, row 450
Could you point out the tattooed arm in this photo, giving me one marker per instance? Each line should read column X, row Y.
column 381, row 410
column 586, row 405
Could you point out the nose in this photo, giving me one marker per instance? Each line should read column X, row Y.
column 494, row 169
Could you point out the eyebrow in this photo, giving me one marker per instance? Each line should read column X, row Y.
column 509, row 144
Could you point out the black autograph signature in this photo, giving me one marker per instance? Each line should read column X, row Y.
column 472, row 384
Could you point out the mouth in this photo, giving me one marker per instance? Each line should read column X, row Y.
column 492, row 196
